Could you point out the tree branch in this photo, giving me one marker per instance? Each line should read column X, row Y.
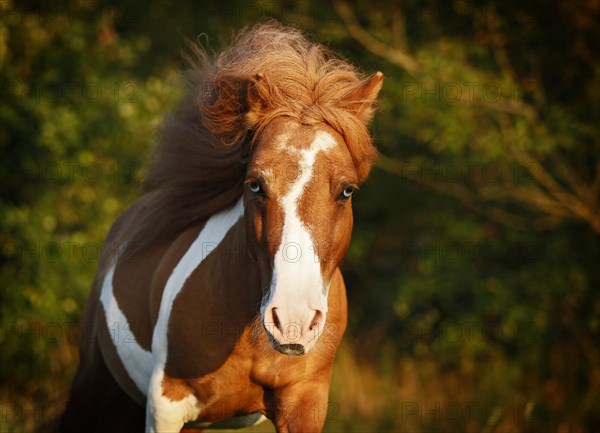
column 394, row 55
column 577, row 200
column 571, row 202
column 464, row 195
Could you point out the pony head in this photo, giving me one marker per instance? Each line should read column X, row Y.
column 302, row 115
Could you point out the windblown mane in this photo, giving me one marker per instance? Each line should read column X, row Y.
column 203, row 146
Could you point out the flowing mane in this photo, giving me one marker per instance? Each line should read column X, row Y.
column 204, row 144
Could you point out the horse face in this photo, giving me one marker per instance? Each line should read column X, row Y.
column 299, row 220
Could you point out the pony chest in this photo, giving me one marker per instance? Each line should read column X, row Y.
column 227, row 398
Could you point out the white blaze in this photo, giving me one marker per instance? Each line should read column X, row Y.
column 297, row 286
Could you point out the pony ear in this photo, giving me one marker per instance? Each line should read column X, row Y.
column 258, row 95
column 233, row 105
column 362, row 100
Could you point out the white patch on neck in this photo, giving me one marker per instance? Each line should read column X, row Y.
column 146, row 369
column 163, row 414
column 210, row 237
column 137, row 362
column 297, row 268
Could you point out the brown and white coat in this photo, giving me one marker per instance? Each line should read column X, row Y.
column 227, row 266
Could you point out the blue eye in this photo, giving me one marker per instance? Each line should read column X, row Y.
column 256, row 188
column 347, row 193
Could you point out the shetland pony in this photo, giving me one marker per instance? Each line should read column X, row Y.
column 219, row 301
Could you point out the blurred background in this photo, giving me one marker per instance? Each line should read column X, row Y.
column 474, row 272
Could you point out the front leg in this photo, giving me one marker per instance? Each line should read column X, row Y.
column 301, row 407
column 171, row 403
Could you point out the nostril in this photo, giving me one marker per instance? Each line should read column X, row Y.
column 316, row 320
column 276, row 321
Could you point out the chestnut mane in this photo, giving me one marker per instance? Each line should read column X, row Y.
column 269, row 71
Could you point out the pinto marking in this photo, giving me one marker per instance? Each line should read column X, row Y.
column 162, row 413
column 202, row 154
column 137, row 362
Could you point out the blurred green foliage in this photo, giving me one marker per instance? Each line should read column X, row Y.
column 473, row 274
